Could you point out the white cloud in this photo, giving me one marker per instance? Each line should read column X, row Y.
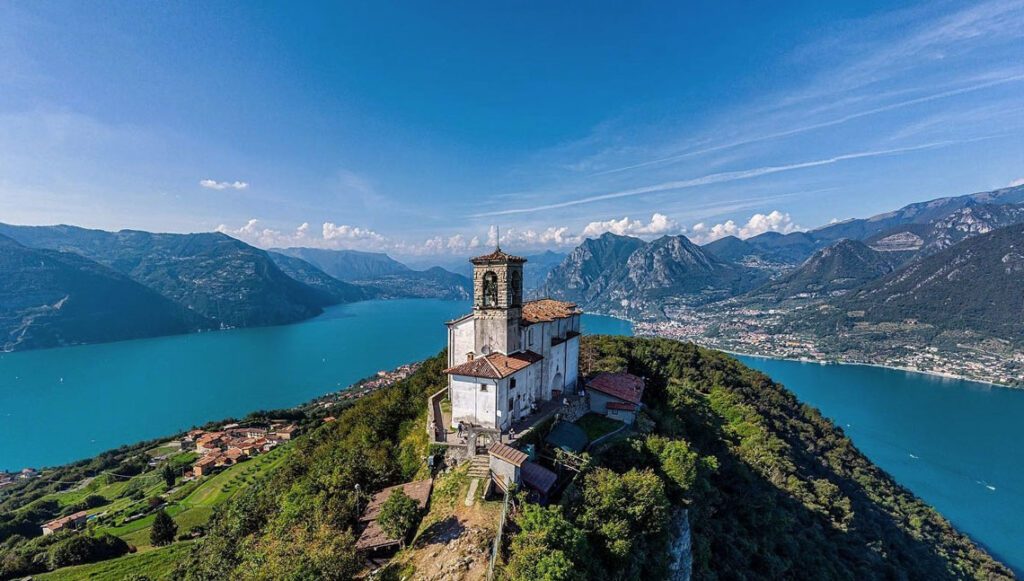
column 774, row 221
column 1016, row 182
column 659, row 224
column 343, row 232
column 331, row 236
column 215, row 185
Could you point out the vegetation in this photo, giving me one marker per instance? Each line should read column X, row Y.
column 774, row 490
column 398, row 515
column 596, row 425
column 163, row 530
column 300, row 521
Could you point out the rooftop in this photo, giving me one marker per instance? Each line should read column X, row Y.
column 495, row 365
column 624, row 386
column 497, row 256
column 545, row 310
column 507, row 453
column 372, row 536
column 538, row 477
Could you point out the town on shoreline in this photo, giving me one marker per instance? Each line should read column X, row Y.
column 746, row 331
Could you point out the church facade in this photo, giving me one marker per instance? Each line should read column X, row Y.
column 507, row 356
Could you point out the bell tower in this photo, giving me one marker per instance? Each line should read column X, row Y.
column 497, row 301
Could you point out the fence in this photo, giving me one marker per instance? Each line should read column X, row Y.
column 496, row 550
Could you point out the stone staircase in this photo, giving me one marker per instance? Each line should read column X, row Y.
column 480, row 467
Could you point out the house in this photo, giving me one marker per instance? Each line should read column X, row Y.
column 505, row 463
column 205, row 466
column 511, row 466
column 211, row 442
column 372, row 538
column 615, row 395
column 285, row 433
column 71, row 522
column 506, row 357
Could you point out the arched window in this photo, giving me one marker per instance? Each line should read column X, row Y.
column 516, row 288
column 490, row 289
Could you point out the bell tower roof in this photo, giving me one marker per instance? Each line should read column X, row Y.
column 497, row 257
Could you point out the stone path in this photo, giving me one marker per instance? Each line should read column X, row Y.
column 471, row 495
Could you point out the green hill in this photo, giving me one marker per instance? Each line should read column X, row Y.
column 50, row 298
column 774, row 490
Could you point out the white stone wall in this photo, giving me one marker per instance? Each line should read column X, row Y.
column 471, row 404
column 460, row 341
column 572, row 364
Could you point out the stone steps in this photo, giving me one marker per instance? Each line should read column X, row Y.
column 479, row 466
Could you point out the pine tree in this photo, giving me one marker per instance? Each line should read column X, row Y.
column 163, row 530
column 168, row 475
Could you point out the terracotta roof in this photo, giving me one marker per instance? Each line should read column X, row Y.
column 538, row 477
column 545, row 310
column 624, row 386
column 497, row 256
column 507, row 453
column 372, row 536
column 418, row 491
column 621, row 405
column 495, row 365
column 66, row 520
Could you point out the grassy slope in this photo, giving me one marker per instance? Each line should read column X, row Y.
column 157, row 564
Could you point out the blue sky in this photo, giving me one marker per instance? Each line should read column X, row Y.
column 415, row 127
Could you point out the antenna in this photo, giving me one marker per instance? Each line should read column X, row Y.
column 497, row 240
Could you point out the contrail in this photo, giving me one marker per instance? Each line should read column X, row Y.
column 730, row 176
column 838, row 121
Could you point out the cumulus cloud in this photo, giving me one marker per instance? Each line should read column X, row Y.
column 333, row 231
column 331, row 236
column 774, row 221
column 1016, row 182
column 659, row 224
column 215, row 185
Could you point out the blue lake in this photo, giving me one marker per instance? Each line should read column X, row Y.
column 954, row 443
column 60, row 405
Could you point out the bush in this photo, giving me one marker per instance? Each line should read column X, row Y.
column 79, row 549
column 398, row 515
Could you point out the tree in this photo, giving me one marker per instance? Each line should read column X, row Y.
column 168, row 474
column 398, row 515
column 548, row 547
column 164, row 529
column 624, row 509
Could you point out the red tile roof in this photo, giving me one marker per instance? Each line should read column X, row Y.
column 495, row 365
column 497, row 256
column 507, row 453
column 624, row 386
column 545, row 310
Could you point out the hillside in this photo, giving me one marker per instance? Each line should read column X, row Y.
column 214, row 275
column 380, row 276
column 832, row 270
column 331, row 290
column 974, row 287
column 773, row 490
column 50, row 299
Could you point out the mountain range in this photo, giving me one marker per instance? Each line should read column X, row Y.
column 627, row 276
column 65, row 285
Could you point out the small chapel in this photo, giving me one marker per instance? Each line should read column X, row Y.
column 507, row 356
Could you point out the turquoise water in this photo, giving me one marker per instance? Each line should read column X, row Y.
column 955, row 443
column 60, row 405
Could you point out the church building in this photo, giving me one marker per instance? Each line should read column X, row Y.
column 508, row 355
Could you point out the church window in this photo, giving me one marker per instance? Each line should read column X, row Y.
column 483, row 387
column 516, row 286
column 490, row 289
column 512, row 383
